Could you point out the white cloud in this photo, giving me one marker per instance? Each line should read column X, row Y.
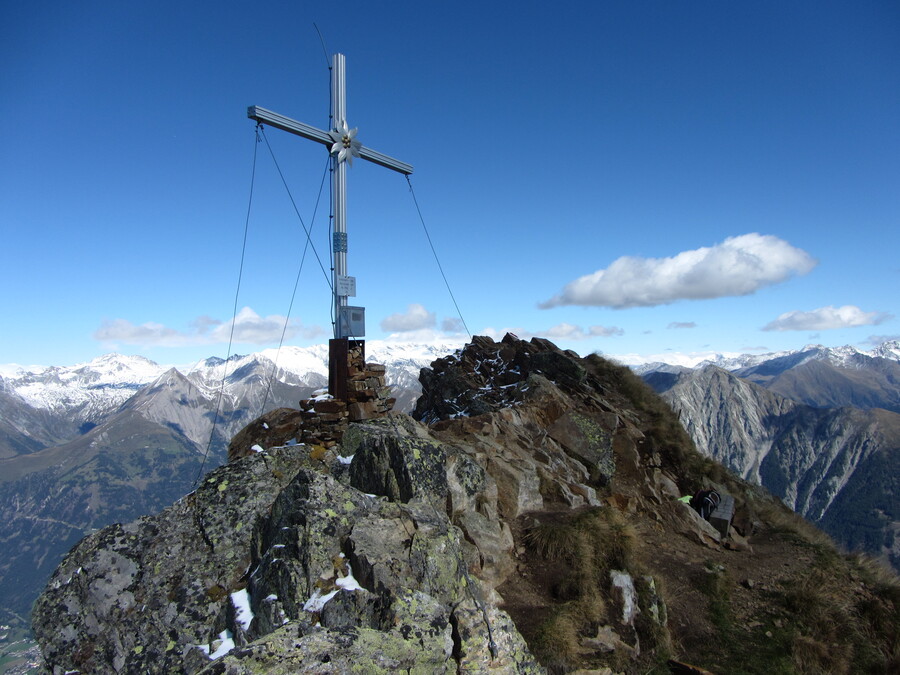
column 429, row 336
column 826, row 318
column 202, row 324
column 605, row 331
column 415, row 318
column 561, row 331
column 738, row 266
column 452, row 325
column 249, row 328
column 150, row 333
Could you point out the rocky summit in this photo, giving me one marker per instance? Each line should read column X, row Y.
column 525, row 519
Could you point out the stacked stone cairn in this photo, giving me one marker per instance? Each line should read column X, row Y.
column 322, row 420
column 367, row 395
column 326, row 419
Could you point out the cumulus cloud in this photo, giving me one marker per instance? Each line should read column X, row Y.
column 202, row 324
column 738, row 266
column 605, row 331
column 452, row 325
column 826, row 318
column 561, row 331
column 429, row 336
column 675, row 325
column 249, row 328
column 416, row 317
column 150, row 333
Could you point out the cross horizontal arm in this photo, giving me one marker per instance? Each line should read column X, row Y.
column 264, row 116
column 254, row 112
column 383, row 160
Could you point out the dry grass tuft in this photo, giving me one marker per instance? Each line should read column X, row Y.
column 551, row 541
column 559, row 642
column 813, row 657
column 589, row 545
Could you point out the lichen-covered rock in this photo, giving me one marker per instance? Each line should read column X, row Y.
column 273, row 566
column 139, row 596
column 542, row 491
column 504, row 652
column 352, row 650
column 275, row 428
column 392, row 462
column 287, row 560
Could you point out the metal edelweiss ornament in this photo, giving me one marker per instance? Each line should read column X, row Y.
column 345, row 144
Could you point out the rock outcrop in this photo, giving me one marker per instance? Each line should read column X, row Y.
column 835, row 466
column 516, row 526
column 407, row 532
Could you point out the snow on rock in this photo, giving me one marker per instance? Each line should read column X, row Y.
column 243, row 613
column 226, row 644
column 347, row 582
column 317, row 601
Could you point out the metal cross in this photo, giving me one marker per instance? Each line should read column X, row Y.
column 343, row 146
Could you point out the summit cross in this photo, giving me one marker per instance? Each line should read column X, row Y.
column 343, row 146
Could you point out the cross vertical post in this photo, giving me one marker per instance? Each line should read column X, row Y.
column 339, row 191
column 343, row 146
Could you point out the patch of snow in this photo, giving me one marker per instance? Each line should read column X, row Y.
column 346, row 583
column 243, row 613
column 349, row 582
column 257, row 448
column 265, row 425
column 317, row 601
column 345, row 460
column 226, row 644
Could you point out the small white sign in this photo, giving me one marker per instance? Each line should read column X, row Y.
column 346, row 286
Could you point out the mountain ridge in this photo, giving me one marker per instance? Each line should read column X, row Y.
column 526, row 519
column 177, row 411
column 806, row 455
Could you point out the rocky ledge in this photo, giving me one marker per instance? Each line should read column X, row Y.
column 492, row 532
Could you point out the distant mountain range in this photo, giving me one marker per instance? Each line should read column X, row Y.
column 819, row 428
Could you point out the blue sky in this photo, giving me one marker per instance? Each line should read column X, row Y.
column 638, row 178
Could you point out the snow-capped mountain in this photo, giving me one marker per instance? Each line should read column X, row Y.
column 838, row 356
column 121, row 436
column 87, row 392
